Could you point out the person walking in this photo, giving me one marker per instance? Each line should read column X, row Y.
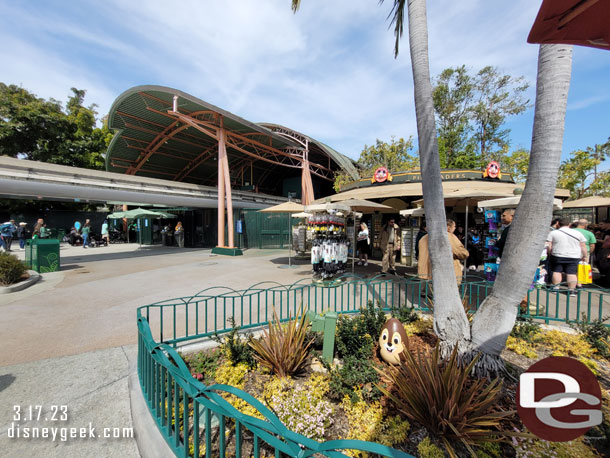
column 390, row 244
column 86, row 229
column 21, row 235
column 104, row 232
column 179, row 234
column 363, row 244
column 424, row 267
column 567, row 248
column 7, row 231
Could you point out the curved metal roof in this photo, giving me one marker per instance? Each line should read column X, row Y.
column 155, row 141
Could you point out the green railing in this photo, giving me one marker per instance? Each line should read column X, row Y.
column 182, row 406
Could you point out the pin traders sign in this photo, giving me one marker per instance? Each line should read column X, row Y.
column 381, row 175
column 492, row 170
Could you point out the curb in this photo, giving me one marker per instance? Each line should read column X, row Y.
column 34, row 277
column 149, row 440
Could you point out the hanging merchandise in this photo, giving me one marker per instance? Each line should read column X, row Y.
column 329, row 244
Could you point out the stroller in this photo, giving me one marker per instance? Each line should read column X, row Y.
column 96, row 240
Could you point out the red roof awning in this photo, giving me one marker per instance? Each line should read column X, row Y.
column 575, row 22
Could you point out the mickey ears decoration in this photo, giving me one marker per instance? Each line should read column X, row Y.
column 393, row 341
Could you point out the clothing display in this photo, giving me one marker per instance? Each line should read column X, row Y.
column 329, row 249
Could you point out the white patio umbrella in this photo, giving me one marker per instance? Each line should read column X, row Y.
column 286, row 207
column 364, row 206
column 512, row 202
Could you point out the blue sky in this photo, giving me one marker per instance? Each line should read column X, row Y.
column 327, row 71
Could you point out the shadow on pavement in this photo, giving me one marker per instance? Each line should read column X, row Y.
column 141, row 252
column 6, row 381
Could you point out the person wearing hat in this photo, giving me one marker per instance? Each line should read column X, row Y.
column 7, row 231
column 21, row 235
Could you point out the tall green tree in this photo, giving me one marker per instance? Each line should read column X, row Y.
column 471, row 111
column 452, row 94
column 497, row 97
column 40, row 130
column 395, row 155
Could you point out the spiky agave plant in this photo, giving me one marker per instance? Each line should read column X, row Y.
column 444, row 399
column 283, row 348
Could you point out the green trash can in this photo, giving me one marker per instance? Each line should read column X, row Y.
column 42, row 255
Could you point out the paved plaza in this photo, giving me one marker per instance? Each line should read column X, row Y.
column 71, row 338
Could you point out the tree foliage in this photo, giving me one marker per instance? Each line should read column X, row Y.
column 470, row 112
column 395, row 156
column 579, row 172
column 517, row 164
column 41, row 130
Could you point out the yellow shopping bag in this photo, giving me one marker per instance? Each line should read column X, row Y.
column 585, row 276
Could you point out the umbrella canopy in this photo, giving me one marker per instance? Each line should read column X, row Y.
column 365, row 206
column 588, row 202
column 467, row 196
column 286, row 207
column 511, row 202
column 301, row 215
column 413, row 212
column 339, row 206
column 575, row 22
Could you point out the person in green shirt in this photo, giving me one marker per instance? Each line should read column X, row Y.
column 85, row 233
column 589, row 236
column 582, row 228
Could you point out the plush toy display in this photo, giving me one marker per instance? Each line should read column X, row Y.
column 392, row 341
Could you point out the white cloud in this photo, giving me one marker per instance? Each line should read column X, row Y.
column 327, row 71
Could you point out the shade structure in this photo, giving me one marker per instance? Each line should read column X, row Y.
column 137, row 213
column 491, row 188
column 588, row 202
column 367, row 206
column 337, row 206
column 286, row 207
column 413, row 212
column 575, row 22
column 301, row 215
column 511, row 202
column 468, row 196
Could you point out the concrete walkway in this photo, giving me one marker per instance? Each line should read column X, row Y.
column 70, row 339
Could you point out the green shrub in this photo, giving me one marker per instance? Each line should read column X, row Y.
column 357, row 378
column 526, row 330
column 11, row 269
column 204, row 363
column 236, row 348
column 596, row 333
column 427, row 449
column 356, row 335
column 405, row 315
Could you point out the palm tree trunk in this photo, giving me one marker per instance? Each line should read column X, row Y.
column 496, row 317
column 450, row 322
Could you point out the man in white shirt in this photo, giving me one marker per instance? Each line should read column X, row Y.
column 567, row 248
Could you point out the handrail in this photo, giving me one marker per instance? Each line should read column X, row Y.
column 178, row 402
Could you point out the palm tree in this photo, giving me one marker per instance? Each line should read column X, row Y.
column 450, row 321
column 496, row 317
